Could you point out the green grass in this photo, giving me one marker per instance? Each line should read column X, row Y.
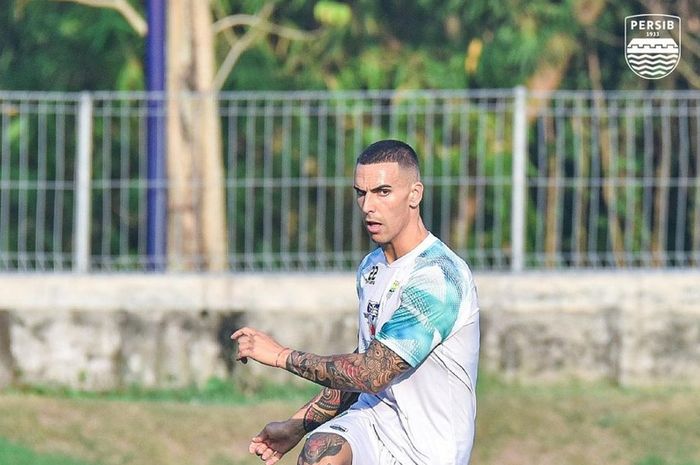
column 655, row 460
column 15, row 454
column 214, row 391
column 517, row 424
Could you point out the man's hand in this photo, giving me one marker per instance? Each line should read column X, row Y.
column 276, row 439
column 260, row 347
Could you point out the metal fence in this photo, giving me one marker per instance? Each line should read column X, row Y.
column 514, row 179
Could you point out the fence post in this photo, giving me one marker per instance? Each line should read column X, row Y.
column 83, row 169
column 156, row 227
column 519, row 166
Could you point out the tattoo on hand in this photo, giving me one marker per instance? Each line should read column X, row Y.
column 371, row 371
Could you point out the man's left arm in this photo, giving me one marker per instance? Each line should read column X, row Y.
column 371, row 371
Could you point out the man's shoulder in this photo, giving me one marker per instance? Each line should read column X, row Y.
column 371, row 259
column 438, row 253
column 438, row 265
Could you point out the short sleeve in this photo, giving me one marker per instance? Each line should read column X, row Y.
column 429, row 306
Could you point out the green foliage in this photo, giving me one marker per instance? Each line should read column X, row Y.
column 332, row 13
column 62, row 46
column 360, row 45
column 354, row 45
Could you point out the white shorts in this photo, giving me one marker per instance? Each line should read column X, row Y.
column 356, row 427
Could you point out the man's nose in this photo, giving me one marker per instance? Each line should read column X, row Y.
column 367, row 205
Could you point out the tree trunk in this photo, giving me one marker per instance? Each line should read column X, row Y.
column 582, row 193
column 552, row 244
column 196, row 201
column 607, row 163
column 661, row 196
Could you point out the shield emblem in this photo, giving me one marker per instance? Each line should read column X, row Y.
column 652, row 44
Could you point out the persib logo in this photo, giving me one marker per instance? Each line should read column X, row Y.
column 652, row 44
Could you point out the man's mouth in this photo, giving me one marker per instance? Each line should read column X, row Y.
column 373, row 226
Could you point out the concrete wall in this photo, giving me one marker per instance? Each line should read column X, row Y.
column 107, row 331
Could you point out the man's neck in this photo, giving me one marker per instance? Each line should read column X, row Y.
column 407, row 242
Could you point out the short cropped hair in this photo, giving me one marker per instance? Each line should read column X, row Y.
column 390, row 151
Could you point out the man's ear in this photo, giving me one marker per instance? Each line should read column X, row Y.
column 416, row 194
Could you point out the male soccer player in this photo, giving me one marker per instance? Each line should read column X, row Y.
column 406, row 395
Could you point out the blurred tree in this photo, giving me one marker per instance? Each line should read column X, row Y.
column 63, row 47
column 367, row 44
column 455, row 44
column 196, row 212
column 362, row 44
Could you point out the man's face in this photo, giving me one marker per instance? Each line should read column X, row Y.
column 386, row 194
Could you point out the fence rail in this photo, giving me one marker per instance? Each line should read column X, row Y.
column 514, row 179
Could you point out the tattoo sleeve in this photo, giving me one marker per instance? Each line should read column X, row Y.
column 326, row 405
column 371, row 371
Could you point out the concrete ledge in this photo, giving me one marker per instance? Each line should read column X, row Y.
column 106, row 331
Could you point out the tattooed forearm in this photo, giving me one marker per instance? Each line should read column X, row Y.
column 328, row 404
column 371, row 371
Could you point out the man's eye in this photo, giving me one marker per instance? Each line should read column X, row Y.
column 385, row 192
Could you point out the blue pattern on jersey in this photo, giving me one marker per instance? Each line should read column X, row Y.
column 430, row 303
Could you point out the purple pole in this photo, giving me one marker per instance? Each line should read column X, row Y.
column 155, row 84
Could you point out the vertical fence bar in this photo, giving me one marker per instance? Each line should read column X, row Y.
column 287, row 189
column 59, row 257
column 519, row 166
column 339, row 185
column 268, row 190
column 498, row 187
column 5, row 187
column 680, row 255
column 40, row 250
column 23, row 186
column 81, row 241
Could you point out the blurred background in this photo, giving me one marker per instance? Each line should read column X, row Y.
column 171, row 170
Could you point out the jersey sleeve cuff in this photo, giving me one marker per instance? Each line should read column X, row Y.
column 398, row 350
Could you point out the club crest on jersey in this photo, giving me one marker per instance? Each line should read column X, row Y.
column 371, row 316
column 372, row 276
column 651, row 50
column 394, row 286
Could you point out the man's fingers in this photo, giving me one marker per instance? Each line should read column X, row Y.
column 274, row 459
column 245, row 331
column 241, row 332
column 258, row 448
column 254, row 444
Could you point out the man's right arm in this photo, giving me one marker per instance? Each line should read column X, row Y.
column 279, row 437
column 326, row 405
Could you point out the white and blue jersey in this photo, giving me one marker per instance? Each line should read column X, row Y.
column 424, row 307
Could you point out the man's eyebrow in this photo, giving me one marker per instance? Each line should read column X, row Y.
column 374, row 189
